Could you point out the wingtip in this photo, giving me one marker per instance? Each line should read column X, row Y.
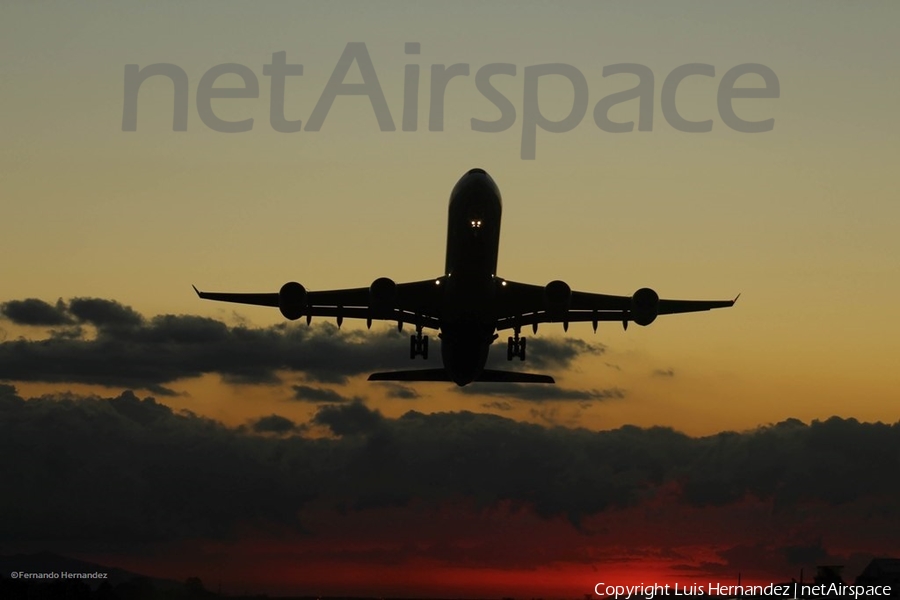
column 733, row 302
column 199, row 295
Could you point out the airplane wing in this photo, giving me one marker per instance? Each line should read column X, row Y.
column 522, row 304
column 416, row 302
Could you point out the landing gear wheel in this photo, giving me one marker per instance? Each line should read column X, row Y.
column 515, row 346
column 418, row 346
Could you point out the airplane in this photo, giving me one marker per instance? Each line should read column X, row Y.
column 468, row 303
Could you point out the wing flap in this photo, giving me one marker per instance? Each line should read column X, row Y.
column 666, row 307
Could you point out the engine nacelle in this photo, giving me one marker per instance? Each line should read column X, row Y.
column 382, row 296
column 644, row 306
column 292, row 300
column 557, row 297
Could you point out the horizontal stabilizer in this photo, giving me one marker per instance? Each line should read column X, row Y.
column 488, row 375
column 513, row 377
column 414, row 375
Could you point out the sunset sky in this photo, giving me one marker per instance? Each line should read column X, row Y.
column 755, row 439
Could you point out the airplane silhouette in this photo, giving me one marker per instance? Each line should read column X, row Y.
column 469, row 302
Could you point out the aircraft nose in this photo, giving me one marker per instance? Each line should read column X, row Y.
column 475, row 186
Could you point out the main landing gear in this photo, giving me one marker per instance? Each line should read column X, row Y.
column 418, row 345
column 515, row 346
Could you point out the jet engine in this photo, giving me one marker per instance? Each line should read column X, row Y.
column 558, row 297
column 382, row 296
column 644, row 306
column 292, row 300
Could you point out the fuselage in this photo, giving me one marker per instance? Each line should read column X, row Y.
column 468, row 316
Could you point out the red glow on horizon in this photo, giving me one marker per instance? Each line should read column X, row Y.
column 458, row 550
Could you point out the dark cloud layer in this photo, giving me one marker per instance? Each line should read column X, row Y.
column 129, row 350
column 130, row 469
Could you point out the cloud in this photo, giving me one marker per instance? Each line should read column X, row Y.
column 664, row 373
column 104, row 313
column 274, row 424
column 131, row 351
column 32, row 311
column 538, row 393
column 8, row 393
column 403, row 392
column 806, row 554
column 498, row 405
column 305, row 393
column 352, row 419
column 547, row 353
column 72, row 332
